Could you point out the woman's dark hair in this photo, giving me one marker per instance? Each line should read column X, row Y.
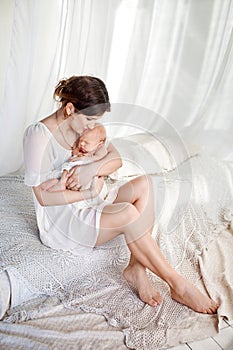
column 88, row 94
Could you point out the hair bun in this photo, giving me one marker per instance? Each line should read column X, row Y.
column 63, row 82
column 61, row 89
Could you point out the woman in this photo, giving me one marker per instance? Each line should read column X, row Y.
column 128, row 209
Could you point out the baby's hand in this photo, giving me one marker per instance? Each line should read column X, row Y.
column 76, row 152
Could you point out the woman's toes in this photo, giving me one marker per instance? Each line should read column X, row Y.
column 155, row 302
column 159, row 299
column 147, row 293
column 214, row 309
column 152, row 302
column 149, row 299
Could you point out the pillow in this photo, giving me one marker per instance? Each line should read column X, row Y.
column 151, row 154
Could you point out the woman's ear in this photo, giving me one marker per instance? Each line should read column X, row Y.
column 69, row 109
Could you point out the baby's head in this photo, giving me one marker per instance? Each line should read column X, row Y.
column 91, row 139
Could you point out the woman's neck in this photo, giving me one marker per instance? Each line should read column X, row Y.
column 64, row 130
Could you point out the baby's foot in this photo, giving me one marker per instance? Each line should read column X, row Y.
column 137, row 276
column 185, row 293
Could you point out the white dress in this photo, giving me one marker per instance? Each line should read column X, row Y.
column 67, row 227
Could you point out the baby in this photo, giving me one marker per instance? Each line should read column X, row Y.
column 90, row 147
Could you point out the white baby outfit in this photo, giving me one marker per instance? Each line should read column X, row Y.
column 70, row 227
column 87, row 203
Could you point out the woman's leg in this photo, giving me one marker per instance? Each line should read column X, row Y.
column 114, row 220
column 135, row 272
column 125, row 218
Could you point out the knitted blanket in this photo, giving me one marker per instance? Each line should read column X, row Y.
column 194, row 210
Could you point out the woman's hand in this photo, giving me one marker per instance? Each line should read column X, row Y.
column 79, row 176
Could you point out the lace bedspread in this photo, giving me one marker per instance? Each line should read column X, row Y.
column 194, row 208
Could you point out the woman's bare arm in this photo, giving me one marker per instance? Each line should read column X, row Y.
column 46, row 198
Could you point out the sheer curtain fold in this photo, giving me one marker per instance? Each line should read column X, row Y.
column 216, row 57
column 30, row 74
column 89, row 31
column 170, row 57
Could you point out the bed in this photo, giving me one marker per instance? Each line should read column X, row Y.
column 53, row 300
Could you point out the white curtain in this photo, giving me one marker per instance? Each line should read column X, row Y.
column 174, row 58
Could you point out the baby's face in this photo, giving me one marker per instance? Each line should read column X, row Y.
column 88, row 142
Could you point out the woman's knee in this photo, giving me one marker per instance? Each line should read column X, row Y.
column 131, row 213
column 120, row 214
column 144, row 183
column 145, row 191
column 128, row 214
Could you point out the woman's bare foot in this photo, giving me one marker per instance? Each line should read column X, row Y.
column 137, row 276
column 185, row 293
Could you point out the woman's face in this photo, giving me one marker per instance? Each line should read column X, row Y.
column 82, row 122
